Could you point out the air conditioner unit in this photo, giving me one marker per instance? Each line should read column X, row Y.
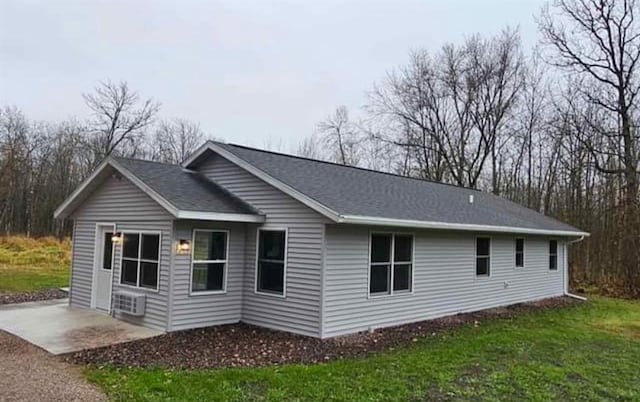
column 129, row 303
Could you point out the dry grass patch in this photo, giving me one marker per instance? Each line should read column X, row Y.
column 32, row 264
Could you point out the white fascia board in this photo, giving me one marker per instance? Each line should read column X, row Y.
column 220, row 216
column 371, row 220
column 290, row 191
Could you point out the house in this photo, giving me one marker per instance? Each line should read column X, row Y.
column 311, row 247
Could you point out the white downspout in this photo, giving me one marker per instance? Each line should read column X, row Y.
column 566, row 265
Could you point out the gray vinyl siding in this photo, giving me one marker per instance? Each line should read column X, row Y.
column 201, row 310
column 444, row 278
column 119, row 201
column 82, row 263
column 299, row 312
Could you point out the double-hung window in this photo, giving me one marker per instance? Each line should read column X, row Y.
column 209, row 261
column 140, row 260
column 390, row 263
column 483, row 256
column 271, row 261
column 519, row 252
column 553, row 255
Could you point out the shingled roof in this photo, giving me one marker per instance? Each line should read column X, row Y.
column 184, row 193
column 356, row 195
column 185, row 189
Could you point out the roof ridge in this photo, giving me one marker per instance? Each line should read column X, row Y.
column 146, row 161
column 347, row 166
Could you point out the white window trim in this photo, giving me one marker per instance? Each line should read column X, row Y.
column 286, row 257
column 475, row 257
column 140, row 260
column 391, row 264
column 524, row 252
column 557, row 256
column 194, row 261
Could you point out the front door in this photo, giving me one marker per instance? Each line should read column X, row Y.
column 103, row 268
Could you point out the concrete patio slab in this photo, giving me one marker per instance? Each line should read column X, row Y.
column 58, row 328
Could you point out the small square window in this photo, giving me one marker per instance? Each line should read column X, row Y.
column 130, row 245
column 380, row 248
column 140, row 260
column 380, row 276
column 129, row 272
column 402, row 277
column 207, row 277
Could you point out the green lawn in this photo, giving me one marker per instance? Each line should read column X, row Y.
column 28, row 264
column 585, row 352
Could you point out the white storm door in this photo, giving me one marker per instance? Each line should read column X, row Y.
column 104, row 267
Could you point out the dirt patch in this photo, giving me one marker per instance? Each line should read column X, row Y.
column 49, row 294
column 242, row 345
column 28, row 373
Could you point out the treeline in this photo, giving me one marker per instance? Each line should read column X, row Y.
column 555, row 130
column 41, row 163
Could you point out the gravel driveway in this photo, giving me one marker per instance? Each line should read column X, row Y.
column 28, row 373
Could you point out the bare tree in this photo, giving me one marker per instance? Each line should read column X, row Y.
column 311, row 147
column 449, row 111
column 340, row 134
column 173, row 141
column 119, row 118
column 599, row 41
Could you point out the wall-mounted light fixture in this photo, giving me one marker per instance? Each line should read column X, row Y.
column 116, row 238
column 184, row 246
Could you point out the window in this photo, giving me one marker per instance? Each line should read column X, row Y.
column 140, row 260
column 553, row 255
column 270, row 275
column 483, row 256
column 390, row 264
column 208, row 261
column 519, row 253
column 107, row 251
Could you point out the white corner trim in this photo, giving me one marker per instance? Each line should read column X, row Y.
column 372, row 220
column 285, row 188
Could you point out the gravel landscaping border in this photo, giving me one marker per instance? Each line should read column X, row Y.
column 242, row 345
column 49, row 294
column 28, row 373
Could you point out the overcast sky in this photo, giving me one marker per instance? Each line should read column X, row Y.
column 254, row 72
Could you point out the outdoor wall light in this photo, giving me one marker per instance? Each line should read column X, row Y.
column 184, row 246
column 116, row 238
